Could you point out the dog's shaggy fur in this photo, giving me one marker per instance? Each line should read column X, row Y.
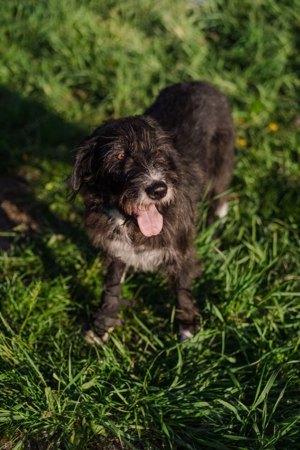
column 142, row 178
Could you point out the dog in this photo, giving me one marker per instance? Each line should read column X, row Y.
column 142, row 179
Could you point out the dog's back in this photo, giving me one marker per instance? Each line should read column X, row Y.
column 192, row 112
column 198, row 117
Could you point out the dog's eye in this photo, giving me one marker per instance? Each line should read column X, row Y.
column 120, row 155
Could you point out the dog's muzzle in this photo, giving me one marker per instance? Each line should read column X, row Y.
column 157, row 190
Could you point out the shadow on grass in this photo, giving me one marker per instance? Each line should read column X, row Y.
column 30, row 130
column 31, row 133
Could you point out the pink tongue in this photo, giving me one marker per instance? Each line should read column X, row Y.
column 149, row 220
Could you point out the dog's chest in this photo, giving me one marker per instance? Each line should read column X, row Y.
column 138, row 257
column 117, row 243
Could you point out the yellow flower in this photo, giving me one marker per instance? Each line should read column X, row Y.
column 242, row 142
column 273, row 126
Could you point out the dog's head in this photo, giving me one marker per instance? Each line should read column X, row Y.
column 129, row 163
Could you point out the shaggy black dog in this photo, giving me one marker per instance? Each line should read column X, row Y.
column 142, row 178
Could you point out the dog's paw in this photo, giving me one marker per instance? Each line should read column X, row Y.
column 103, row 326
column 93, row 339
column 187, row 331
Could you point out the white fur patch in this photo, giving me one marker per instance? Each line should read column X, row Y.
column 123, row 276
column 184, row 334
column 156, row 175
column 138, row 257
column 222, row 210
column 114, row 214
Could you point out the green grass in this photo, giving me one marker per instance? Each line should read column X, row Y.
column 68, row 65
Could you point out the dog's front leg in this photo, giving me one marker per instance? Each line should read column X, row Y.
column 187, row 313
column 106, row 318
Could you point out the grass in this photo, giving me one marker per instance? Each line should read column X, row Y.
column 67, row 66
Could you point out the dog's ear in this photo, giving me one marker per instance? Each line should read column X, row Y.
column 82, row 169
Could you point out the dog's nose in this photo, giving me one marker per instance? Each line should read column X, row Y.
column 157, row 190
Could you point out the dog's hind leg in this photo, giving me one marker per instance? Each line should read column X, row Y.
column 219, row 167
column 187, row 313
column 106, row 318
column 218, row 209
